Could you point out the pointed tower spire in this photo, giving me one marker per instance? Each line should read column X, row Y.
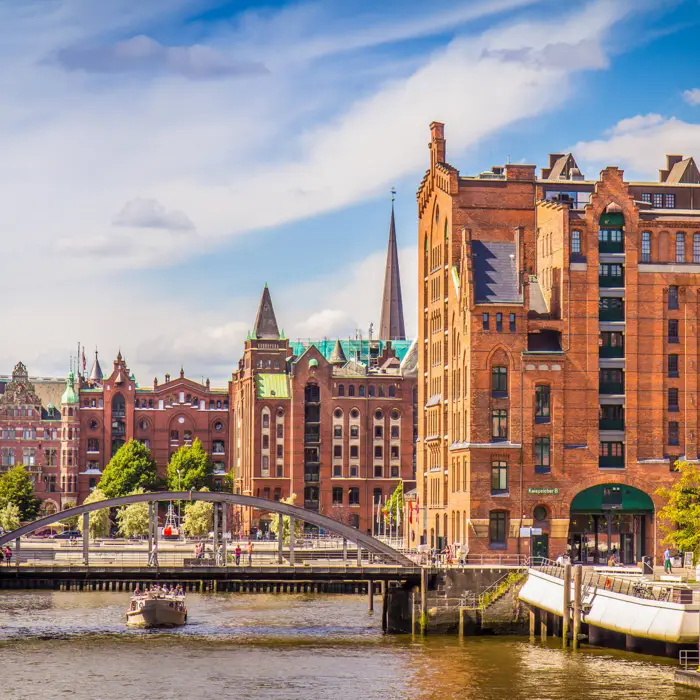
column 265, row 321
column 338, row 354
column 96, row 372
column 391, row 325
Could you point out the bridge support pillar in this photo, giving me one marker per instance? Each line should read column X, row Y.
column 224, row 508
column 544, row 618
column 533, row 622
column 423, row 600
column 292, row 526
column 566, row 606
column 370, row 596
column 359, row 554
column 17, row 552
column 86, row 538
column 576, row 627
column 216, row 528
column 385, row 605
column 345, row 549
column 280, row 538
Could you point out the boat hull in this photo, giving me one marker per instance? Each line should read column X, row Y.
column 157, row 613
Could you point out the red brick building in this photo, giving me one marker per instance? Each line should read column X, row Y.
column 558, row 354
column 332, row 422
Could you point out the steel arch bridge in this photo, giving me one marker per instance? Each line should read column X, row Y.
column 363, row 541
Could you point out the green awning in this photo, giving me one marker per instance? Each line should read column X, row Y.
column 606, row 497
column 612, row 220
column 272, row 386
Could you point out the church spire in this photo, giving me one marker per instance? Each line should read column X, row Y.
column 265, row 322
column 96, row 373
column 391, row 325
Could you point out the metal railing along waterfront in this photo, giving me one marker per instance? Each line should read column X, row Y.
column 689, row 659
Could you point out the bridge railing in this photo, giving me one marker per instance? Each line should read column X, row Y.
column 689, row 659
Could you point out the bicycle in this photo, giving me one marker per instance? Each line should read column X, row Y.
column 641, row 590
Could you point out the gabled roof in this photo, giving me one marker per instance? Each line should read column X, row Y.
column 265, row 321
column 495, row 273
column 681, row 171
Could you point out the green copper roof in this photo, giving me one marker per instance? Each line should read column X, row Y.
column 313, row 362
column 353, row 349
column 69, row 395
column 272, row 386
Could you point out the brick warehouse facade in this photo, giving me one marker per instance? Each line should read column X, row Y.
column 558, row 355
column 333, row 422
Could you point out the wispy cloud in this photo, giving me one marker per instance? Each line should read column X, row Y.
column 150, row 213
column 692, row 97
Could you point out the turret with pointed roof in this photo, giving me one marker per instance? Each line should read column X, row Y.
column 338, row 355
column 391, row 325
column 96, row 372
column 265, row 322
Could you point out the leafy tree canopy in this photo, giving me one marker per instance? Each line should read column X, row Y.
column 16, row 487
column 9, row 517
column 298, row 524
column 131, row 468
column 680, row 517
column 100, row 523
column 194, row 466
column 393, row 510
column 199, row 518
column 132, row 520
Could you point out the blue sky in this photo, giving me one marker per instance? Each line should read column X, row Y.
column 162, row 160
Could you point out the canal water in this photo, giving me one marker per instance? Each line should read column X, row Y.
column 75, row 645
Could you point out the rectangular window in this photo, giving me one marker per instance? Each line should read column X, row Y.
column 187, row 435
column 646, row 197
column 337, row 470
column 499, row 424
column 280, row 451
column 497, row 529
column 680, row 247
column 499, row 322
column 575, row 241
column 646, row 246
column 673, row 365
column 378, row 451
column 670, row 201
column 354, row 496
column 394, row 451
column 354, row 451
column 394, row 432
column 673, row 399
column 337, row 495
column 354, row 470
column 337, row 431
column 658, row 200
column 499, row 477
column 378, row 431
column 266, row 420
column 542, row 404
column 217, row 447
column 174, row 436
column 277, row 494
column 499, row 381
column 673, row 297
column 672, row 432
column 542, row 457
column 280, row 431
column 673, row 330
column 266, row 442
column 265, row 465
column 696, row 247
column 512, row 323
column 354, row 431
column 378, row 471
column 337, row 451
column 485, row 320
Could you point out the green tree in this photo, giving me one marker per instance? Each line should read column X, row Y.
column 298, row 524
column 394, row 505
column 16, row 487
column 194, row 466
column 131, row 468
column 71, row 522
column 100, row 523
column 9, row 517
column 680, row 517
column 132, row 520
column 199, row 519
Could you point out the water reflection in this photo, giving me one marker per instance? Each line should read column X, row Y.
column 288, row 646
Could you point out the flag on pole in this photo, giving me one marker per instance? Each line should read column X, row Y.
column 84, row 363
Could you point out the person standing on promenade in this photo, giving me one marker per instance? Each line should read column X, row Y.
column 238, row 555
column 153, row 558
column 250, row 552
column 667, row 561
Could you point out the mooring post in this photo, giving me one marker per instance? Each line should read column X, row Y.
column 576, row 627
column 544, row 615
column 385, row 605
column 533, row 623
column 86, row 539
column 370, row 596
column 280, row 538
column 292, row 525
column 566, row 606
column 345, row 550
column 223, row 532
column 423, row 600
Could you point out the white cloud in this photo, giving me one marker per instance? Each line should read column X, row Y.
column 692, row 97
column 150, row 213
column 640, row 144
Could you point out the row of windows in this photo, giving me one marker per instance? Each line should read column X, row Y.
column 355, row 432
column 499, row 389
column 353, row 495
column 612, row 236
column 354, row 451
column 7, row 456
column 195, row 402
column 499, row 322
column 24, row 411
column 381, row 392
column 660, row 200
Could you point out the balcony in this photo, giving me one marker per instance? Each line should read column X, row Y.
column 312, row 437
column 312, row 477
column 611, row 424
column 611, row 280
column 311, row 504
column 611, row 388
column 611, row 247
column 616, row 313
column 611, row 351
column 608, row 462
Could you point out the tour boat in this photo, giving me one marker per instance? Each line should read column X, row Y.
column 157, row 610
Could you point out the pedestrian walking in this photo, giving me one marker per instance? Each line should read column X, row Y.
column 238, row 555
column 8, row 555
column 153, row 558
column 220, row 555
column 250, row 552
column 667, row 561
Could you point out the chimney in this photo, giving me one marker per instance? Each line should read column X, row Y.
column 437, row 143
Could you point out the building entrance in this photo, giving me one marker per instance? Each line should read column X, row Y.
column 609, row 520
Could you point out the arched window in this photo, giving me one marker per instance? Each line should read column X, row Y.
column 361, row 390
column 341, row 389
column 381, row 391
column 351, row 390
column 371, row 390
column 392, row 391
